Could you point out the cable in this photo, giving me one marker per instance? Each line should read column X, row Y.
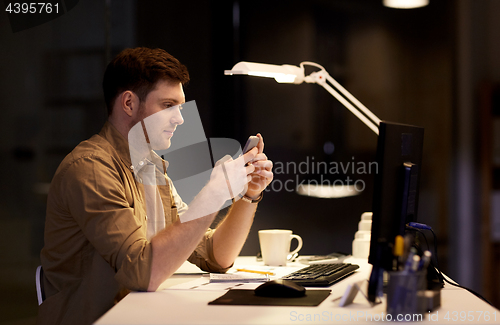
column 436, row 250
column 462, row 287
column 416, row 225
column 423, row 235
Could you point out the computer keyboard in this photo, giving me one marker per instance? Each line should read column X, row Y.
column 322, row 275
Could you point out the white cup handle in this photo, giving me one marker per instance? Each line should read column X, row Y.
column 299, row 244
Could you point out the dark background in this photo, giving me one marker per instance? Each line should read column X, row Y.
column 421, row 66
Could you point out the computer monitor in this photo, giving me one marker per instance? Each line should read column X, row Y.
column 395, row 197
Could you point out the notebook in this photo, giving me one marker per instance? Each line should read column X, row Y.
column 238, row 277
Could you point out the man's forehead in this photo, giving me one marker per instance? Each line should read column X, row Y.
column 169, row 91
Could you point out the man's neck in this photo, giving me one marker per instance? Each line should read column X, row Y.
column 120, row 127
column 140, row 149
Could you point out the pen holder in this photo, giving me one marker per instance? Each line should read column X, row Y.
column 402, row 292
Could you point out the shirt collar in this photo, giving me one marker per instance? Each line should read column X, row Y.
column 111, row 134
column 152, row 159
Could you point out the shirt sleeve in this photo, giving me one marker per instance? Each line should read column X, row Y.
column 96, row 196
column 203, row 255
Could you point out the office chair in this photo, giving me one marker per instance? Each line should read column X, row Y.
column 40, row 292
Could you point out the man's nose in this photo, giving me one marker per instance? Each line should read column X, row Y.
column 177, row 117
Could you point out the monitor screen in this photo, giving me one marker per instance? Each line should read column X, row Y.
column 395, row 197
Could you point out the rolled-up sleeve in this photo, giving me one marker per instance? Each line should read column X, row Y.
column 203, row 256
column 97, row 199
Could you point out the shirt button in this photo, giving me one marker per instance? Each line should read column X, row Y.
column 141, row 162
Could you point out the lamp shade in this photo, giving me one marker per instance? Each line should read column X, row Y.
column 405, row 4
column 281, row 73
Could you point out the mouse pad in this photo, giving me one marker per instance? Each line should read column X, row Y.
column 248, row 297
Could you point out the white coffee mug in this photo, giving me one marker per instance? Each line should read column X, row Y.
column 275, row 246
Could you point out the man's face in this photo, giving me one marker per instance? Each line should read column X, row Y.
column 161, row 112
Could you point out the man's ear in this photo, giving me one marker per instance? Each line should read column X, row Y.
column 129, row 102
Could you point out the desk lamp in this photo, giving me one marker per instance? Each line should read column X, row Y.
column 296, row 75
column 293, row 74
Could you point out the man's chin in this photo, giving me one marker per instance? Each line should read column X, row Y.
column 161, row 146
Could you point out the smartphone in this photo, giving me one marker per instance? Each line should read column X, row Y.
column 252, row 142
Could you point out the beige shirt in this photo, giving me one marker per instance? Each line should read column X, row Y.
column 95, row 232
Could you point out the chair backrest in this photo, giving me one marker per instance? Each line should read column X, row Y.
column 40, row 292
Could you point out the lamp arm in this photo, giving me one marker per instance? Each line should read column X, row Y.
column 322, row 76
column 353, row 99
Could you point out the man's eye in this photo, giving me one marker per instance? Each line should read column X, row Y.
column 170, row 105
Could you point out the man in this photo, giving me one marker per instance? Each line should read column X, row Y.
column 99, row 209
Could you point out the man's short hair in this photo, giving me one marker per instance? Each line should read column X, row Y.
column 138, row 70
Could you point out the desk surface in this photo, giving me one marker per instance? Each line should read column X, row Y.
column 173, row 306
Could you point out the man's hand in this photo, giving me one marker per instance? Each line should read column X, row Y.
column 262, row 176
column 231, row 233
column 230, row 177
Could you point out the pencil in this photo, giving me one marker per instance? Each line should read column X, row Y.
column 254, row 271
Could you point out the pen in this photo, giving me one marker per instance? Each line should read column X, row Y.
column 408, row 240
column 416, row 263
column 254, row 271
column 409, row 259
column 426, row 260
column 398, row 251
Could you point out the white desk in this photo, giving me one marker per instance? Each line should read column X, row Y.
column 170, row 306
